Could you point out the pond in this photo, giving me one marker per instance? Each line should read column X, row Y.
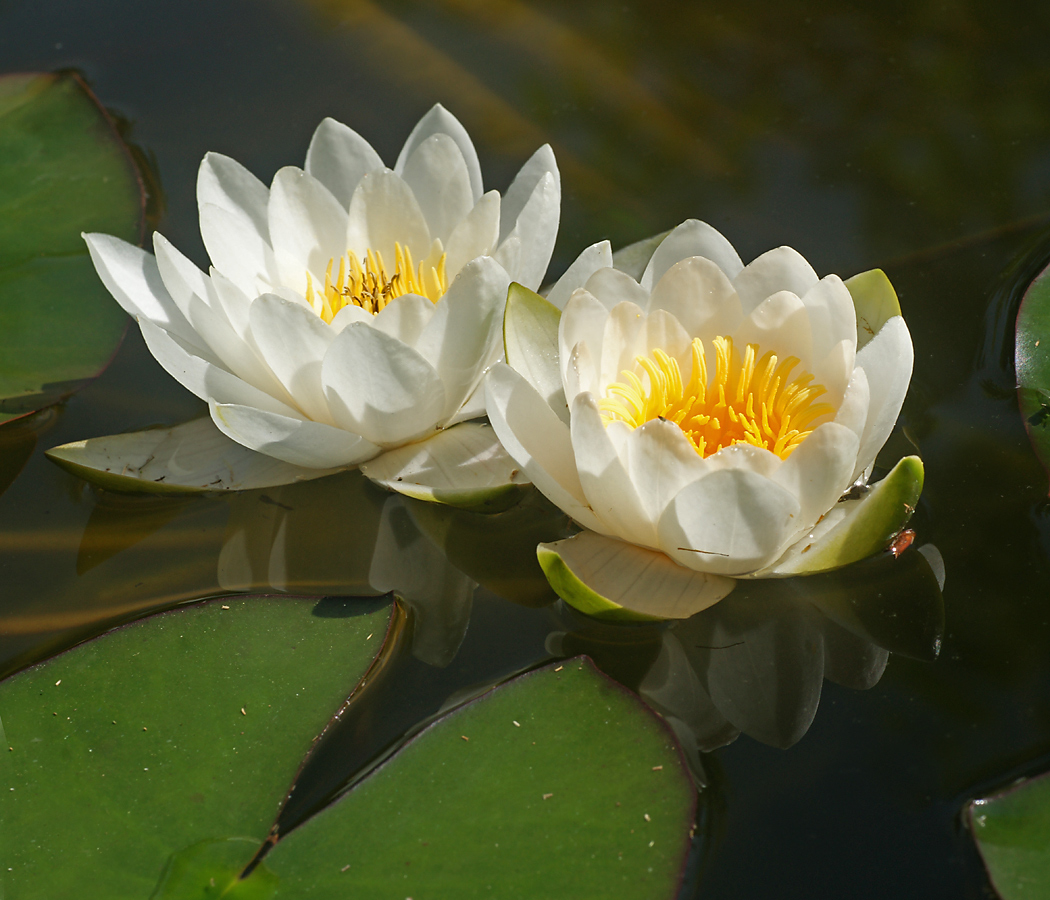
column 912, row 138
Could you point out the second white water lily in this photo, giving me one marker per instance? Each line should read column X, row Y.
column 702, row 423
column 351, row 309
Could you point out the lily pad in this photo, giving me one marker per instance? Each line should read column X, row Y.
column 184, row 727
column 1012, row 831
column 184, row 459
column 1032, row 363
column 63, row 170
column 506, row 797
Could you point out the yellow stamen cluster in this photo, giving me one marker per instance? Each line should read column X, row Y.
column 747, row 402
column 370, row 287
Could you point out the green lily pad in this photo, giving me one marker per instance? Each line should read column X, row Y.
column 184, row 459
column 530, row 342
column 63, row 170
column 506, row 797
column 185, row 727
column 855, row 529
column 875, row 301
column 1012, row 831
column 1032, row 363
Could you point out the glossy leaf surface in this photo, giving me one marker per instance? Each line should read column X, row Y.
column 1032, row 364
column 63, row 170
column 183, row 727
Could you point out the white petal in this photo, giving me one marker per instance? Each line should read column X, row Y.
column 745, row 457
column 887, row 361
column 700, row 295
column 605, row 577
column 464, row 466
column 622, row 342
column 379, row 388
column 464, row 335
column 779, row 324
column 238, row 250
column 832, row 316
column 307, row 227
column 597, row 256
column 225, row 183
column 293, row 340
column 612, row 287
column 691, row 238
column 660, row 462
column 298, row 441
column 729, row 522
column 201, row 377
column 131, row 275
column 583, row 321
column 853, row 410
column 475, row 236
column 473, row 407
column 535, row 230
column 339, row 157
column 516, row 197
column 580, row 375
column 537, row 440
column 404, row 318
column 349, row 314
column 233, row 300
column 664, row 332
column 781, row 269
column 384, row 211
column 440, row 121
column 604, row 479
column 438, row 176
column 818, row 471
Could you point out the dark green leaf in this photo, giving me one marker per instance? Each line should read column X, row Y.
column 1032, row 362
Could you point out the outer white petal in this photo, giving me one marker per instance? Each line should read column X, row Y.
column 131, row 275
column 538, row 440
column 887, row 361
column 533, row 234
column 612, row 287
column 745, row 457
column 238, row 250
column 339, row 157
column 199, row 301
column 818, row 472
column 307, row 227
column 234, row 301
column 298, row 441
column 608, row 578
column 516, row 197
column 691, row 238
column 349, row 314
column 581, row 374
column 699, row 294
column 440, row 121
column 225, row 183
column 464, row 333
column 661, row 462
column 438, row 176
column 384, row 211
column 379, row 388
column 729, row 522
column 779, row 324
column 464, row 466
column 597, row 256
column 477, row 235
column 201, row 377
column 403, row 318
column 832, row 315
column 604, row 478
column 582, row 321
column 853, row 410
column 781, row 269
column 293, row 341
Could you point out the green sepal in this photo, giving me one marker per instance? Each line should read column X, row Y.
column 875, row 301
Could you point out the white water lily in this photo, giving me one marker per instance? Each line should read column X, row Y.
column 351, row 309
column 703, row 422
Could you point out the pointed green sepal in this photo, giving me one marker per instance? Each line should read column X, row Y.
column 875, row 301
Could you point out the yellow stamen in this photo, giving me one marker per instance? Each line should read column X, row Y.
column 749, row 400
column 370, row 287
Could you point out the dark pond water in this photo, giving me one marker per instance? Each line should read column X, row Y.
column 914, row 137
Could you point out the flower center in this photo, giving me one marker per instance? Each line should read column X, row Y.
column 370, row 287
column 747, row 402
